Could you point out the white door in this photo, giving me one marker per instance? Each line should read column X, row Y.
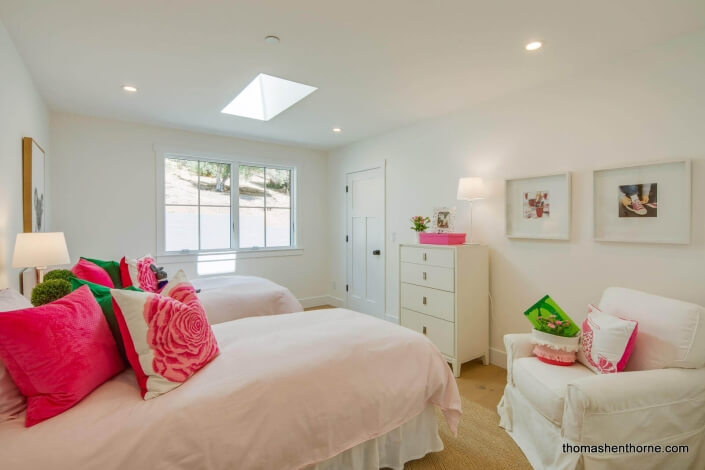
column 365, row 241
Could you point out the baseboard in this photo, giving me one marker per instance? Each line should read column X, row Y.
column 498, row 358
column 308, row 302
column 391, row 318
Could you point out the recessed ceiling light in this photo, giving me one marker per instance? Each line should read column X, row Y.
column 267, row 96
column 271, row 39
column 129, row 88
column 337, row 129
column 534, row 45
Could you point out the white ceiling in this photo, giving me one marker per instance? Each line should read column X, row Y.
column 378, row 65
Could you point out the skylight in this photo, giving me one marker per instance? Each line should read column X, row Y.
column 267, row 96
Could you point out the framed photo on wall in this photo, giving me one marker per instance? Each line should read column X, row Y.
column 643, row 203
column 33, row 196
column 538, row 207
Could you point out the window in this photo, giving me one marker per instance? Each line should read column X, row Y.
column 265, row 206
column 200, row 214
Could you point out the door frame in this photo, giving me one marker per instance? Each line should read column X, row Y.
column 382, row 164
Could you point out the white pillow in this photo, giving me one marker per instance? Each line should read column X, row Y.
column 12, row 402
column 671, row 332
column 607, row 342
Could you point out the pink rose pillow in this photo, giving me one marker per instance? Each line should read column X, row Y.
column 91, row 272
column 607, row 341
column 58, row 353
column 167, row 335
column 138, row 273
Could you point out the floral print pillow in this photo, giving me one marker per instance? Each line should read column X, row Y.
column 138, row 273
column 167, row 335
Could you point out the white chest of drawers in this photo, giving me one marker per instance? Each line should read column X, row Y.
column 443, row 294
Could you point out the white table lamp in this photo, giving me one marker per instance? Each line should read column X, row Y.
column 39, row 250
column 471, row 189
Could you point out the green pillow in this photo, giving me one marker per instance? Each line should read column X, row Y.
column 110, row 267
column 105, row 300
column 545, row 315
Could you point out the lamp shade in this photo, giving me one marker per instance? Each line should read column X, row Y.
column 471, row 189
column 40, row 249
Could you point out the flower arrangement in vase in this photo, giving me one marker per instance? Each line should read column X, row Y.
column 419, row 224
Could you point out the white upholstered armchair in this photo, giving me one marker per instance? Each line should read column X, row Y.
column 658, row 401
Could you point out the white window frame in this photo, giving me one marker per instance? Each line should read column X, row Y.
column 186, row 255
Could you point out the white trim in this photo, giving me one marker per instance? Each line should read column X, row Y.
column 498, row 358
column 391, row 318
column 162, row 152
column 308, row 302
column 174, row 258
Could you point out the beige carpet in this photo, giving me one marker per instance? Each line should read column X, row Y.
column 480, row 444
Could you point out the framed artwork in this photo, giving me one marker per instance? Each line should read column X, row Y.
column 643, row 203
column 33, row 197
column 538, row 207
column 443, row 220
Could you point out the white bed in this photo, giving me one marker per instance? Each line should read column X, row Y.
column 228, row 298
column 328, row 389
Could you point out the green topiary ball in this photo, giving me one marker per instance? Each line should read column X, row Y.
column 49, row 291
column 64, row 274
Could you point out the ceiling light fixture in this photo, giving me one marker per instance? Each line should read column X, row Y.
column 337, row 130
column 267, row 96
column 129, row 88
column 534, row 46
column 271, row 39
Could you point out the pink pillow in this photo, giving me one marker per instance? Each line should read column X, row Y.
column 167, row 336
column 12, row 402
column 607, row 341
column 91, row 272
column 58, row 353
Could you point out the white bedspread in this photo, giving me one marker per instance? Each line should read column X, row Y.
column 285, row 392
column 228, row 298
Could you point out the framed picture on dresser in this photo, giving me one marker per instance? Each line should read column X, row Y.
column 538, row 207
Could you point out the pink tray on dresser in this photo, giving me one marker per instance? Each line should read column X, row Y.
column 442, row 238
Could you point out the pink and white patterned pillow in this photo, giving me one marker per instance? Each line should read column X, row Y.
column 138, row 273
column 607, row 341
column 167, row 336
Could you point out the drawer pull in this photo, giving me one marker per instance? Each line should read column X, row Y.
column 424, row 300
column 424, row 257
column 424, row 276
column 424, row 330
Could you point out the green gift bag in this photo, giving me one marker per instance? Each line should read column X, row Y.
column 545, row 315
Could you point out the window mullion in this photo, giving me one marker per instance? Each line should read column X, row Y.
column 198, row 193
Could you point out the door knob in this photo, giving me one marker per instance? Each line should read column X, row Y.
column 376, row 252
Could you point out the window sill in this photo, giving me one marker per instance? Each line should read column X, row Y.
column 194, row 257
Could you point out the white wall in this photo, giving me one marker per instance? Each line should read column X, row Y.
column 103, row 179
column 646, row 107
column 22, row 114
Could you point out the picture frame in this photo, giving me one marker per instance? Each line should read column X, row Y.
column 33, row 185
column 443, row 220
column 538, row 207
column 643, row 203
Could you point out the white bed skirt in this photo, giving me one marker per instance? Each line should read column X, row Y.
column 412, row 440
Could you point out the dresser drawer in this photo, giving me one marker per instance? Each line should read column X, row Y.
column 428, row 276
column 429, row 256
column 440, row 332
column 434, row 302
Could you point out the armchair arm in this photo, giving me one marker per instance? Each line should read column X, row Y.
column 517, row 345
column 635, row 407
